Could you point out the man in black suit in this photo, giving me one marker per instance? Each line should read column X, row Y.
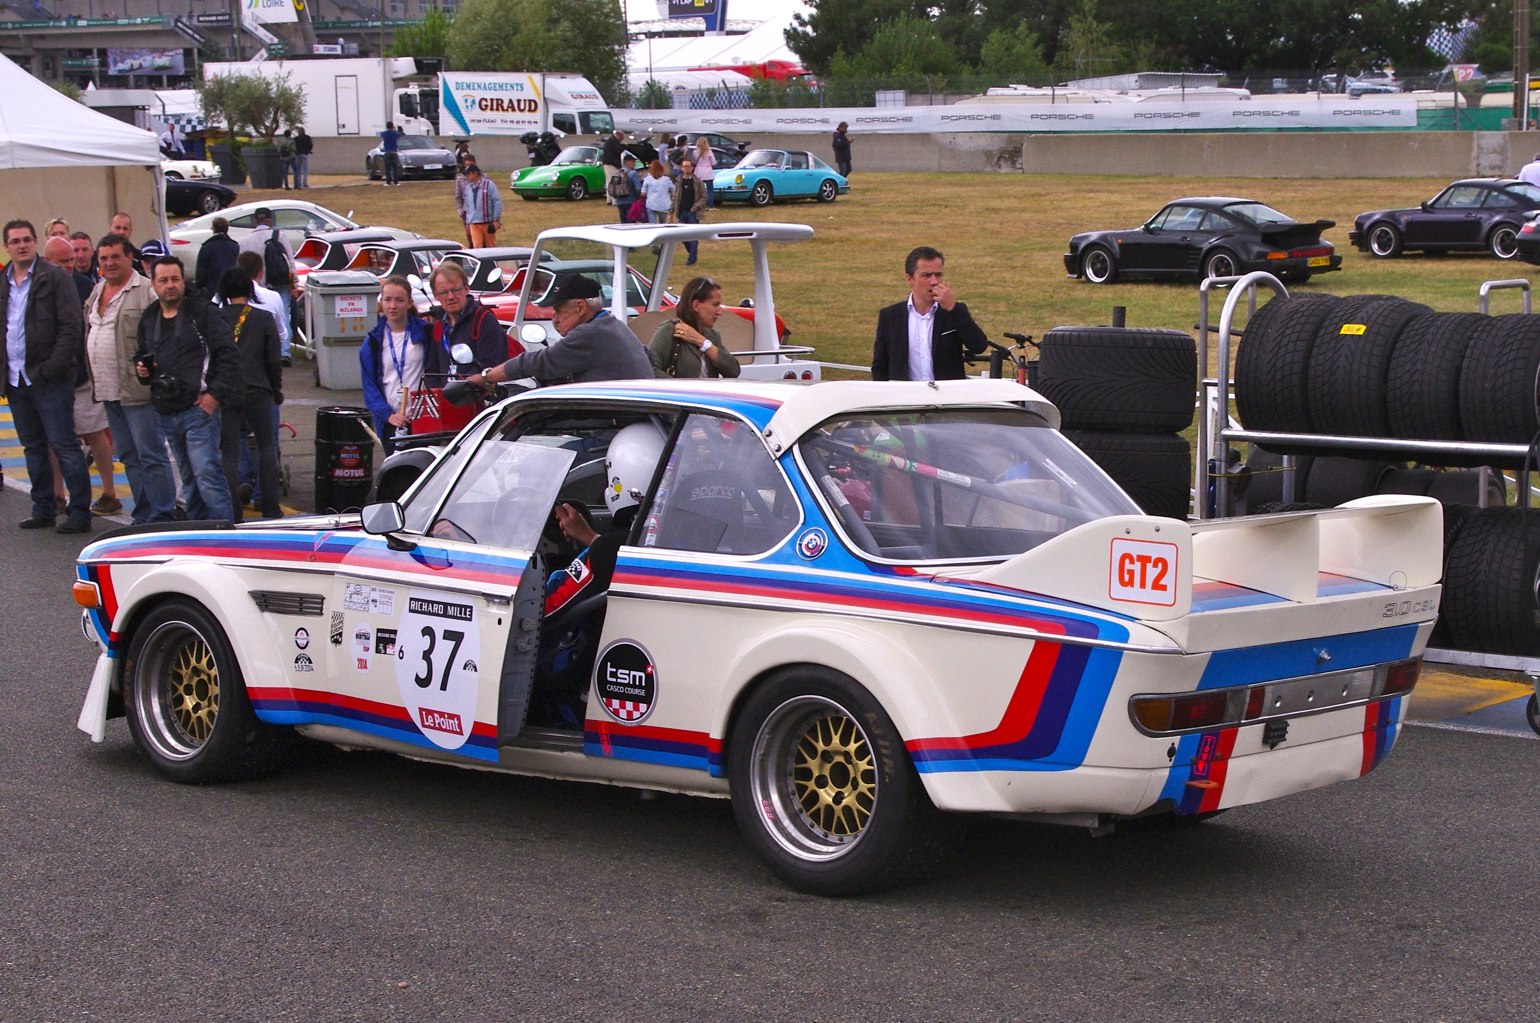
column 923, row 337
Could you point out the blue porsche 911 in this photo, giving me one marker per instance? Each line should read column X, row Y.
column 765, row 175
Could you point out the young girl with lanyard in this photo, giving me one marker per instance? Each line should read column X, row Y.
column 392, row 360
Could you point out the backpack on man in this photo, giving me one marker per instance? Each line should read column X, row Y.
column 618, row 188
column 275, row 265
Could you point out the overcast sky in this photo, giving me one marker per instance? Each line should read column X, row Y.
column 746, row 10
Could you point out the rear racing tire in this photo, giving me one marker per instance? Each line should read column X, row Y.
column 1221, row 263
column 1155, row 469
column 186, row 700
column 823, row 789
column 829, row 190
column 1139, row 379
column 577, row 190
column 762, row 194
column 1098, row 265
column 1503, row 242
column 1384, row 240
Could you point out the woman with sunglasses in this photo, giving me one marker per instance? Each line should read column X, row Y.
column 690, row 346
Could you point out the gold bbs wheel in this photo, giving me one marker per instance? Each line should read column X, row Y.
column 814, row 771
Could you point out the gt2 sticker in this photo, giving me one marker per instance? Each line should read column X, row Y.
column 436, row 645
column 374, row 599
column 1143, row 572
column 627, row 682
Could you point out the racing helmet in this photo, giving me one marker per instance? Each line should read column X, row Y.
column 629, row 464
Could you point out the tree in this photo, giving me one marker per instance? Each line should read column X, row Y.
column 251, row 103
column 583, row 36
column 427, row 38
column 1013, row 55
column 836, row 27
column 1086, row 47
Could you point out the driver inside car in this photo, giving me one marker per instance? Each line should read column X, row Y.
column 573, row 614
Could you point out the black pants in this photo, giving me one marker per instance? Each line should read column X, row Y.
column 253, row 414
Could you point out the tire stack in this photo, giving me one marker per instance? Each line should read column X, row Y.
column 1374, row 366
column 1124, row 395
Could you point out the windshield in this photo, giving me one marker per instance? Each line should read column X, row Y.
column 577, row 154
column 597, row 122
column 1256, row 213
column 416, row 142
column 762, row 158
column 956, row 484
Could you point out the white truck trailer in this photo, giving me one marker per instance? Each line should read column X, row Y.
column 506, row 103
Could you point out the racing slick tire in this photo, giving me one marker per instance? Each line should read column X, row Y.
column 186, row 700
column 823, row 789
column 1349, row 362
column 1098, row 265
column 1408, row 482
column 1221, row 263
column 577, row 189
column 1503, row 241
column 1383, row 239
column 1272, row 359
column 1336, row 479
column 762, row 194
column 1155, row 469
column 1138, row 379
column 828, row 190
column 1422, row 384
column 1489, row 582
column 1497, row 383
column 1463, row 486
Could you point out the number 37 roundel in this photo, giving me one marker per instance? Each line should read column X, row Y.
column 436, row 671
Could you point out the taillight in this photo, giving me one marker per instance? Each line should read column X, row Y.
column 1400, row 677
column 807, row 374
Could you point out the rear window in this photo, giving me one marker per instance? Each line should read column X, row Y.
column 956, row 484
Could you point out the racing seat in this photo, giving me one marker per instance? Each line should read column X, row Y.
column 709, row 515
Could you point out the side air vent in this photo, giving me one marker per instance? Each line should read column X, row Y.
column 277, row 603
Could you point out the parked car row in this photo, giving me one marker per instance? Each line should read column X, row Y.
column 761, row 177
column 1222, row 236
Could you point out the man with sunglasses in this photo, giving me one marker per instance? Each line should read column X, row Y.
column 463, row 320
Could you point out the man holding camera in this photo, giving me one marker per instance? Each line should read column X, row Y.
column 186, row 356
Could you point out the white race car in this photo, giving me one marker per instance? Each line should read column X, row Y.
column 190, row 170
column 849, row 607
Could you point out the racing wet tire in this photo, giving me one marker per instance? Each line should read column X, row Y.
column 186, row 700
column 1489, row 582
column 1422, row 383
column 1098, row 265
column 1154, row 468
column 1272, row 359
column 824, row 790
column 1384, row 240
column 1498, row 382
column 1116, row 378
column 1349, row 363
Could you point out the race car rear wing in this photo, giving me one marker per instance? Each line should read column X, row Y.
column 1154, row 566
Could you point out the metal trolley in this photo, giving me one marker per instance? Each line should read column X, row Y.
column 1216, row 431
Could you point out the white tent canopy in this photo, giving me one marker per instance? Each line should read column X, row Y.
column 679, row 53
column 59, row 158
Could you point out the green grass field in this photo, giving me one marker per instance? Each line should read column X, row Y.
column 1004, row 236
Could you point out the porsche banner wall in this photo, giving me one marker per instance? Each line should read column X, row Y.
column 1153, row 115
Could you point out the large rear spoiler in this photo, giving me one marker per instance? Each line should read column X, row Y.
column 1151, row 563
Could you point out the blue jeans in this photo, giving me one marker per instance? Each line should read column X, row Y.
column 140, row 444
column 302, row 170
column 392, row 168
column 689, row 217
column 45, row 418
column 195, row 441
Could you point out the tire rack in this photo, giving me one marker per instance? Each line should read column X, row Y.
column 1215, row 434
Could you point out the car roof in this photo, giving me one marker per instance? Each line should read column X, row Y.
column 1490, row 182
column 355, row 234
column 241, row 209
column 784, row 412
column 499, row 252
column 635, row 236
column 416, row 244
column 1213, row 201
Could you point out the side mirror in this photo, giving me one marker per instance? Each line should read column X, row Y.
column 747, row 303
column 386, row 517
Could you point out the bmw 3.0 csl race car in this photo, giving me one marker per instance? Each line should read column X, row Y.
column 848, row 606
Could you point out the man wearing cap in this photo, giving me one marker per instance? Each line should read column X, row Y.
column 593, row 346
column 480, row 207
